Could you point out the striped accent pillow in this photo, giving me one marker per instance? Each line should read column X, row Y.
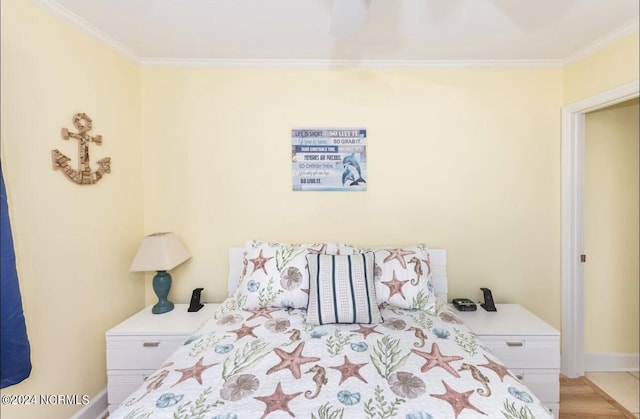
column 341, row 289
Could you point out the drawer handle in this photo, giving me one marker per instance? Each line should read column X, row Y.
column 515, row 344
column 150, row 344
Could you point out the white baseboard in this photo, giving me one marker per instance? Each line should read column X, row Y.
column 611, row 362
column 95, row 409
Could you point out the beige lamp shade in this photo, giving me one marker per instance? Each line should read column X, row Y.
column 159, row 252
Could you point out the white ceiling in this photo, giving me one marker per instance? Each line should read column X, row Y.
column 419, row 31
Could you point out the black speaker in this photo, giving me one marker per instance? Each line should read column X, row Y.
column 195, row 300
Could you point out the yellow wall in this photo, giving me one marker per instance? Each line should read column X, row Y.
column 73, row 243
column 611, row 66
column 465, row 159
column 611, row 229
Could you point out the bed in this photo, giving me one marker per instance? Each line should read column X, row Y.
column 333, row 331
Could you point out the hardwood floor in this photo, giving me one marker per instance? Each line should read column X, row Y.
column 579, row 398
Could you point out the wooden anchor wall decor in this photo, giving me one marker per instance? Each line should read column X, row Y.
column 83, row 175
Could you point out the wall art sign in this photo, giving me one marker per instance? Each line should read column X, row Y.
column 83, row 174
column 329, row 159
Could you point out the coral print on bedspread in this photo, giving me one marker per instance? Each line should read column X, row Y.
column 267, row 362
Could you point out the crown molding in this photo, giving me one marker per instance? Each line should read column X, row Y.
column 627, row 29
column 68, row 16
column 346, row 64
column 56, row 9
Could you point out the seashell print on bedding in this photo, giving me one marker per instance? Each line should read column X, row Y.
column 269, row 363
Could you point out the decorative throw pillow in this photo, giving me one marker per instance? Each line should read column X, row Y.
column 275, row 275
column 402, row 276
column 341, row 289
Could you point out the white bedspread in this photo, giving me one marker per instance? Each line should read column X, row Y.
column 270, row 363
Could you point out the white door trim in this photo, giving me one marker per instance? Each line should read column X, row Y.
column 573, row 117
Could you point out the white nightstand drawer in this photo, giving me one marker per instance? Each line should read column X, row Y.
column 544, row 384
column 525, row 351
column 141, row 352
column 139, row 345
column 120, row 385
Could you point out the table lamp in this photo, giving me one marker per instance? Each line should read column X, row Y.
column 160, row 252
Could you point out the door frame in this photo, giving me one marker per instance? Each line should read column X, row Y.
column 573, row 132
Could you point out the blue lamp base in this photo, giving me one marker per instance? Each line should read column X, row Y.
column 161, row 286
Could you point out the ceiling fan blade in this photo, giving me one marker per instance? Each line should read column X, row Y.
column 348, row 16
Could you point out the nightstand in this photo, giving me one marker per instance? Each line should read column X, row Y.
column 140, row 344
column 528, row 346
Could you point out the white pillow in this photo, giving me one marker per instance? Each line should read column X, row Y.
column 342, row 289
column 275, row 275
column 402, row 276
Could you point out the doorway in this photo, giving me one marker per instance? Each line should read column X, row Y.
column 611, row 238
column 573, row 131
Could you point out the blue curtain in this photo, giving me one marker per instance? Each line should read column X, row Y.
column 14, row 343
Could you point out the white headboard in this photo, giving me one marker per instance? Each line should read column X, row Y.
column 438, row 269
